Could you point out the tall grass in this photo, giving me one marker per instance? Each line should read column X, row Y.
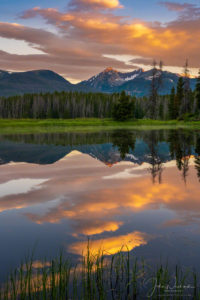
column 100, row 276
column 10, row 126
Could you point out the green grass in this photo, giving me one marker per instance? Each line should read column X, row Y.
column 92, row 124
column 99, row 276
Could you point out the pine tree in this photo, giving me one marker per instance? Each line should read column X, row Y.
column 161, row 110
column 123, row 109
column 186, row 89
column 172, row 104
column 124, row 140
column 197, row 92
column 156, row 83
column 179, row 97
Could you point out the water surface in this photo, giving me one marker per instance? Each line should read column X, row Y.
column 134, row 188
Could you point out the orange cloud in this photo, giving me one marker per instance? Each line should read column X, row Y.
column 87, row 31
column 92, row 202
column 37, row 264
column 101, row 3
column 136, row 37
column 97, row 227
column 111, row 245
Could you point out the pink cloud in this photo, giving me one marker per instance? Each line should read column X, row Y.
column 186, row 11
column 174, row 6
column 85, row 35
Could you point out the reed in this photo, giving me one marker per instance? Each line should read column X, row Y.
column 99, row 276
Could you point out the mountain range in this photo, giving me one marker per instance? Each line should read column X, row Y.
column 135, row 83
column 49, row 148
column 48, row 154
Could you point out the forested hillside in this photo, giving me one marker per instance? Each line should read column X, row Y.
column 19, row 83
column 181, row 103
column 136, row 83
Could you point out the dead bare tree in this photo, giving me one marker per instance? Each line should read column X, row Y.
column 186, row 99
column 156, row 83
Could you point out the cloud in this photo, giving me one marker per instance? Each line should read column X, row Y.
column 111, row 245
column 19, row 186
column 28, row 34
column 71, row 58
column 186, row 11
column 120, row 36
column 93, row 227
column 98, row 4
column 88, row 33
column 174, row 6
column 87, row 203
column 68, row 56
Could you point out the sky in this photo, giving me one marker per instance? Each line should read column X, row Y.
column 80, row 38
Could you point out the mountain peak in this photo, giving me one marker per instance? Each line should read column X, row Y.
column 110, row 69
column 140, row 70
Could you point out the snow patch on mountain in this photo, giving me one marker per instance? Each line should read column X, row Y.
column 131, row 156
column 131, row 77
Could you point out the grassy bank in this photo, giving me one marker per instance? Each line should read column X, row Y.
column 99, row 276
column 66, row 125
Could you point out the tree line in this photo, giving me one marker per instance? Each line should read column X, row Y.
column 183, row 100
column 58, row 105
column 183, row 145
column 182, row 103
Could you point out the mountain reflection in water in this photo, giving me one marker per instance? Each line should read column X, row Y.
column 134, row 188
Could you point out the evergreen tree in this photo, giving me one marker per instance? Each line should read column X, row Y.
column 124, row 140
column 179, row 97
column 172, row 104
column 156, row 166
column 186, row 90
column 156, row 83
column 197, row 92
column 123, row 109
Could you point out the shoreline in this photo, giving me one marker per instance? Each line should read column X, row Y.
column 89, row 124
